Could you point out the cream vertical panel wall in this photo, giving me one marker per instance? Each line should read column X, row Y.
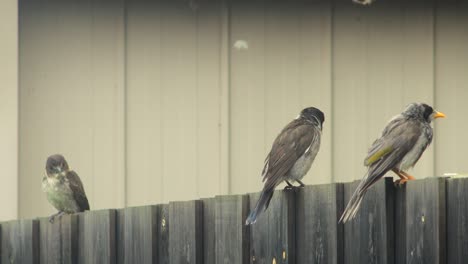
column 173, row 100
column 72, row 98
column 280, row 63
column 153, row 101
column 9, row 109
column 451, row 80
column 144, row 101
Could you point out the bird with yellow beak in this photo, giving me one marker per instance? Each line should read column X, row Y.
column 400, row 146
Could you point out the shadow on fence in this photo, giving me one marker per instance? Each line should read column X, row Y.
column 425, row 221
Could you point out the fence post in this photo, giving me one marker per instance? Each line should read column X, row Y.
column 400, row 224
column 162, row 240
column 232, row 237
column 272, row 238
column 96, row 237
column 319, row 236
column 20, row 241
column 58, row 240
column 186, row 231
column 425, row 221
column 209, row 233
column 136, row 236
column 369, row 238
column 457, row 220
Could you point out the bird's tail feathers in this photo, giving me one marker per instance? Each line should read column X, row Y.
column 262, row 205
column 352, row 207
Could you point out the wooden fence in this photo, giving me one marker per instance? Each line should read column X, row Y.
column 425, row 221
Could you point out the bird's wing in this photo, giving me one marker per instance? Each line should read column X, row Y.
column 290, row 144
column 398, row 138
column 78, row 191
column 378, row 150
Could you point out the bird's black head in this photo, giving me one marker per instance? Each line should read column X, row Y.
column 422, row 111
column 427, row 111
column 313, row 115
column 56, row 164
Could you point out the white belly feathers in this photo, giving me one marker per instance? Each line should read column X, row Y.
column 413, row 155
column 303, row 164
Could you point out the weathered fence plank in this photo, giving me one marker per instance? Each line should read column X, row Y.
column 425, row 221
column 457, row 224
column 136, row 236
column 369, row 238
column 232, row 237
column 209, row 233
column 186, row 232
column 57, row 240
column 20, row 241
column 319, row 236
column 272, row 237
column 162, row 240
column 96, row 237
column 50, row 240
column 400, row 224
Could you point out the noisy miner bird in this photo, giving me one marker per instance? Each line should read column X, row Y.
column 400, row 146
column 291, row 156
column 63, row 187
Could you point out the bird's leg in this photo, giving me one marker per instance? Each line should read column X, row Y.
column 399, row 173
column 402, row 176
column 289, row 186
column 409, row 177
column 302, row 185
column 52, row 217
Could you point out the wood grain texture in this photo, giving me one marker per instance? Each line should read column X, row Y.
column 400, row 224
column 186, row 232
column 162, row 240
column 20, row 242
column 50, row 241
column 232, row 235
column 58, row 241
column 425, row 221
column 369, row 238
column 318, row 234
column 96, row 237
column 457, row 220
column 209, row 231
column 136, row 235
column 273, row 235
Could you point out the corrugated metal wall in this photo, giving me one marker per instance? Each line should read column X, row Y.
column 154, row 101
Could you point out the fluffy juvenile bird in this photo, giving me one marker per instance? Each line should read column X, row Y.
column 400, row 146
column 291, row 156
column 63, row 187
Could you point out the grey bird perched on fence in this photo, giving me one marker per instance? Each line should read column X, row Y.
column 291, row 156
column 400, row 146
column 63, row 187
